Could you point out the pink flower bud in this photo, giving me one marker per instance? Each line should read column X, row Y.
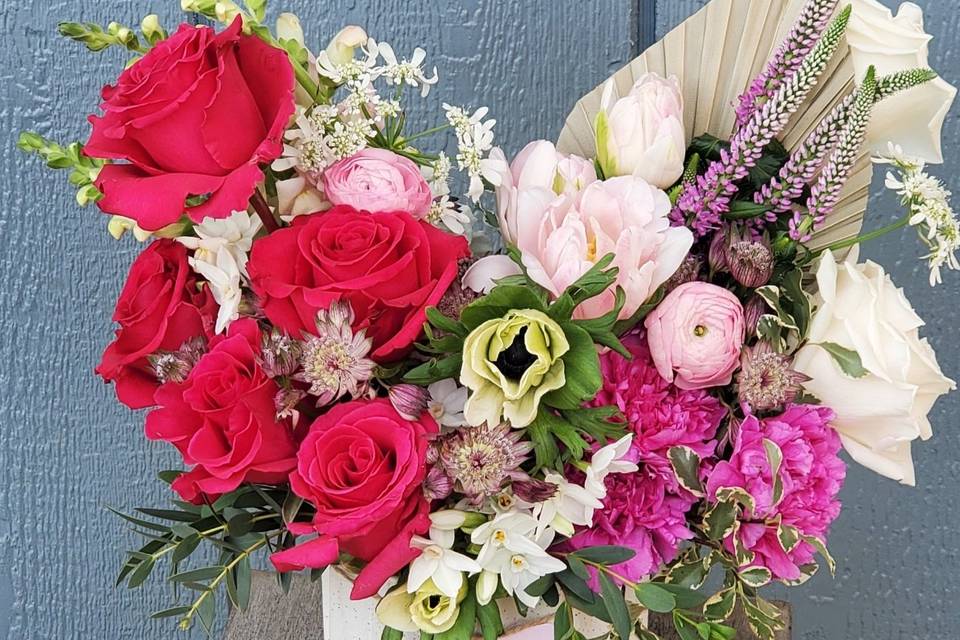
column 409, row 400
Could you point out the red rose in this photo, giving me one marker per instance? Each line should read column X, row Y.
column 193, row 117
column 160, row 308
column 361, row 467
column 222, row 418
column 389, row 266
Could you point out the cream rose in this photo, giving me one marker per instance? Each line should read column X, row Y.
column 912, row 119
column 880, row 414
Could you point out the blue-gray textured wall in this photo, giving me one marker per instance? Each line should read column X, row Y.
column 67, row 448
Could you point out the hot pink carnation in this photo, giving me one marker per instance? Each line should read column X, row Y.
column 644, row 511
column 812, row 475
column 660, row 414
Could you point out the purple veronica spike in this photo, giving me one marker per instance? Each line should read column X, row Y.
column 703, row 203
column 787, row 59
column 826, row 193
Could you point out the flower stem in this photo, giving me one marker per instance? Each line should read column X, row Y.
column 423, row 134
column 260, row 205
column 866, row 237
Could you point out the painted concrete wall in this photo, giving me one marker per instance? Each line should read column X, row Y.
column 67, row 448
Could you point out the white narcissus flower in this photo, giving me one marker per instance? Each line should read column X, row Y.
column 233, row 235
column 223, row 278
column 914, row 118
column 880, row 414
column 446, row 402
column 507, row 531
column 437, row 560
column 519, row 569
column 642, row 133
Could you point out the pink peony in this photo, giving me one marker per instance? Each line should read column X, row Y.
column 812, row 475
column 624, row 216
column 660, row 414
column 644, row 511
column 695, row 335
column 378, row 180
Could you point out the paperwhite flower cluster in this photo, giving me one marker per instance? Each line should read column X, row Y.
column 474, row 142
column 928, row 202
column 221, row 248
column 513, row 536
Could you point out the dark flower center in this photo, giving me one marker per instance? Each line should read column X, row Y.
column 515, row 359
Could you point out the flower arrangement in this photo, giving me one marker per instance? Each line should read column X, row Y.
column 641, row 387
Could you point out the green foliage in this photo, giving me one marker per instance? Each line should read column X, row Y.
column 847, row 359
column 238, row 525
column 83, row 169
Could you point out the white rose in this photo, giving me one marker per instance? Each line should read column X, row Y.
column 912, row 119
column 642, row 134
column 880, row 414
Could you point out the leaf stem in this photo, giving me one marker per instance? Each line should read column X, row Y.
column 423, row 134
column 866, row 237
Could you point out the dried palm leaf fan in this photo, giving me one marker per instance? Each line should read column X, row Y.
column 715, row 55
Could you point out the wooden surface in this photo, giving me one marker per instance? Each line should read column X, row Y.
column 67, row 448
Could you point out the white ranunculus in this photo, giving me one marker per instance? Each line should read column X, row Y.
column 912, row 119
column 880, row 414
column 642, row 133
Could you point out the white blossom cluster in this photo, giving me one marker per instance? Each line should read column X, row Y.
column 928, row 203
column 474, row 142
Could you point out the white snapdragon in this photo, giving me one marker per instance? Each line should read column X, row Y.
column 928, row 204
column 437, row 560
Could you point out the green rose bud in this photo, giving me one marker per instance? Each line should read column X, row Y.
column 509, row 364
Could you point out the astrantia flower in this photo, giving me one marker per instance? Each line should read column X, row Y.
column 749, row 260
column 175, row 366
column 643, row 511
column 811, row 474
column 766, row 380
column 437, row 485
column 660, row 414
column 280, row 354
column 482, row 459
column 335, row 360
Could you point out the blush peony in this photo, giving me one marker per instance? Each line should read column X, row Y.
column 624, row 216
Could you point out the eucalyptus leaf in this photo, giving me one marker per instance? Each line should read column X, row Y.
column 616, row 606
column 654, row 597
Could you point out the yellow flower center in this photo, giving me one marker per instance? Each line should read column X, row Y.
column 500, row 536
column 592, row 249
column 699, row 331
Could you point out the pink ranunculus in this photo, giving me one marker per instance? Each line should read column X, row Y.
column 195, row 116
column 361, row 467
column 378, row 181
column 537, row 177
column 811, row 474
column 222, row 419
column 624, row 216
column 696, row 334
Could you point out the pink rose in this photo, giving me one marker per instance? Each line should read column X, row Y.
column 378, row 180
column 624, row 216
column 361, row 467
column 695, row 335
